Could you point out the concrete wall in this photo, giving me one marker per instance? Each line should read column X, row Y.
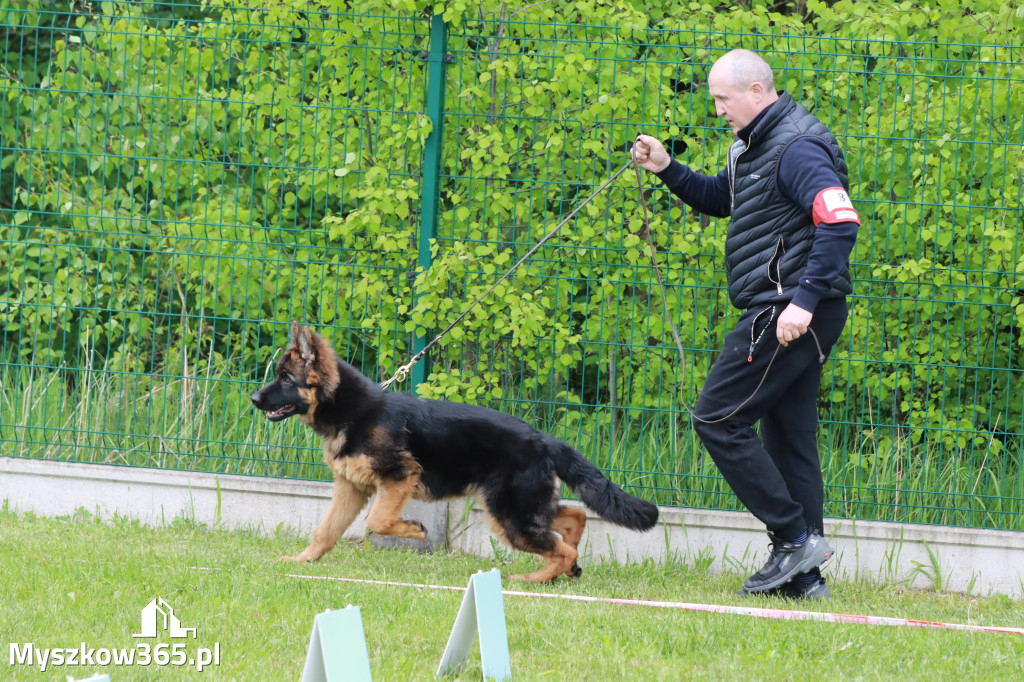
column 979, row 561
column 156, row 496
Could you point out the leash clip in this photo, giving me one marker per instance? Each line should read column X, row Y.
column 400, row 376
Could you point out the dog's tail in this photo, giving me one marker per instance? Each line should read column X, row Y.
column 600, row 494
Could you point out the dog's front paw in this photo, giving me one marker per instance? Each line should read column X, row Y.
column 300, row 558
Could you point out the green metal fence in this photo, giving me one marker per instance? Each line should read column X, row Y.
column 178, row 183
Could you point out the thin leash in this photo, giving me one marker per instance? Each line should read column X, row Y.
column 402, row 373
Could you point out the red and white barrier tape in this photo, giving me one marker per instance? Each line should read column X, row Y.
column 753, row 611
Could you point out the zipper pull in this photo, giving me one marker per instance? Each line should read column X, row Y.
column 750, row 353
column 778, row 285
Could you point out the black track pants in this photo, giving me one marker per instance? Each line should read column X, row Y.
column 777, row 477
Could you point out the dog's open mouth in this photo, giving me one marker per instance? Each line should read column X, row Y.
column 280, row 413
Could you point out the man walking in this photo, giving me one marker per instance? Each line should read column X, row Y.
column 792, row 227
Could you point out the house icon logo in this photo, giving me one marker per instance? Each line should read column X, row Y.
column 170, row 622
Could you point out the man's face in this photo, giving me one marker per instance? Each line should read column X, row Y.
column 738, row 106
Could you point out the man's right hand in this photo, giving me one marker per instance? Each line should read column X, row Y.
column 650, row 154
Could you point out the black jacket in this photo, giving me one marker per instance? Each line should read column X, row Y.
column 774, row 251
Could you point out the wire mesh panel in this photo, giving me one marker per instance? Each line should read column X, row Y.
column 921, row 400
column 178, row 183
column 172, row 175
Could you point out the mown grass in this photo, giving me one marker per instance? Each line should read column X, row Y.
column 205, row 423
column 73, row 580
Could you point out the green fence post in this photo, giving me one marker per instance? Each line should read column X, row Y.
column 432, row 151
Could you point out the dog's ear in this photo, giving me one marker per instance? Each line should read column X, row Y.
column 306, row 346
column 302, row 338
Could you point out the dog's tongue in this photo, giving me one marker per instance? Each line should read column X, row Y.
column 280, row 412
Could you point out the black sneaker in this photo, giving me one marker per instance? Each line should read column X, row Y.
column 786, row 560
column 796, row 590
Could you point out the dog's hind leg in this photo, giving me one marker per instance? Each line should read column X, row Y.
column 386, row 513
column 560, row 557
column 346, row 503
column 569, row 523
column 525, row 510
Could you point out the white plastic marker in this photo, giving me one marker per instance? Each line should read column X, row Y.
column 713, row 608
column 482, row 615
column 337, row 648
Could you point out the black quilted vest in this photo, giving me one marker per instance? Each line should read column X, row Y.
column 769, row 236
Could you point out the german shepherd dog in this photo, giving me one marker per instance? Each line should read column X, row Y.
column 400, row 447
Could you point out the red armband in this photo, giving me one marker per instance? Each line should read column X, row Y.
column 832, row 206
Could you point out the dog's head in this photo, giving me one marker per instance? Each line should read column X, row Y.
column 306, row 375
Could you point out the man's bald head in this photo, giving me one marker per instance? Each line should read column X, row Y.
column 744, row 68
column 742, row 85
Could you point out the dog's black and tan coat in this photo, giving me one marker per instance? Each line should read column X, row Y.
column 402, row 447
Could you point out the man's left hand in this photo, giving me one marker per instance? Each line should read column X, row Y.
column 793, row 323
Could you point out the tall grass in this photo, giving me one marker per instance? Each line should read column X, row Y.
column 899, row 480
column 188, row 423
column 206, row 423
